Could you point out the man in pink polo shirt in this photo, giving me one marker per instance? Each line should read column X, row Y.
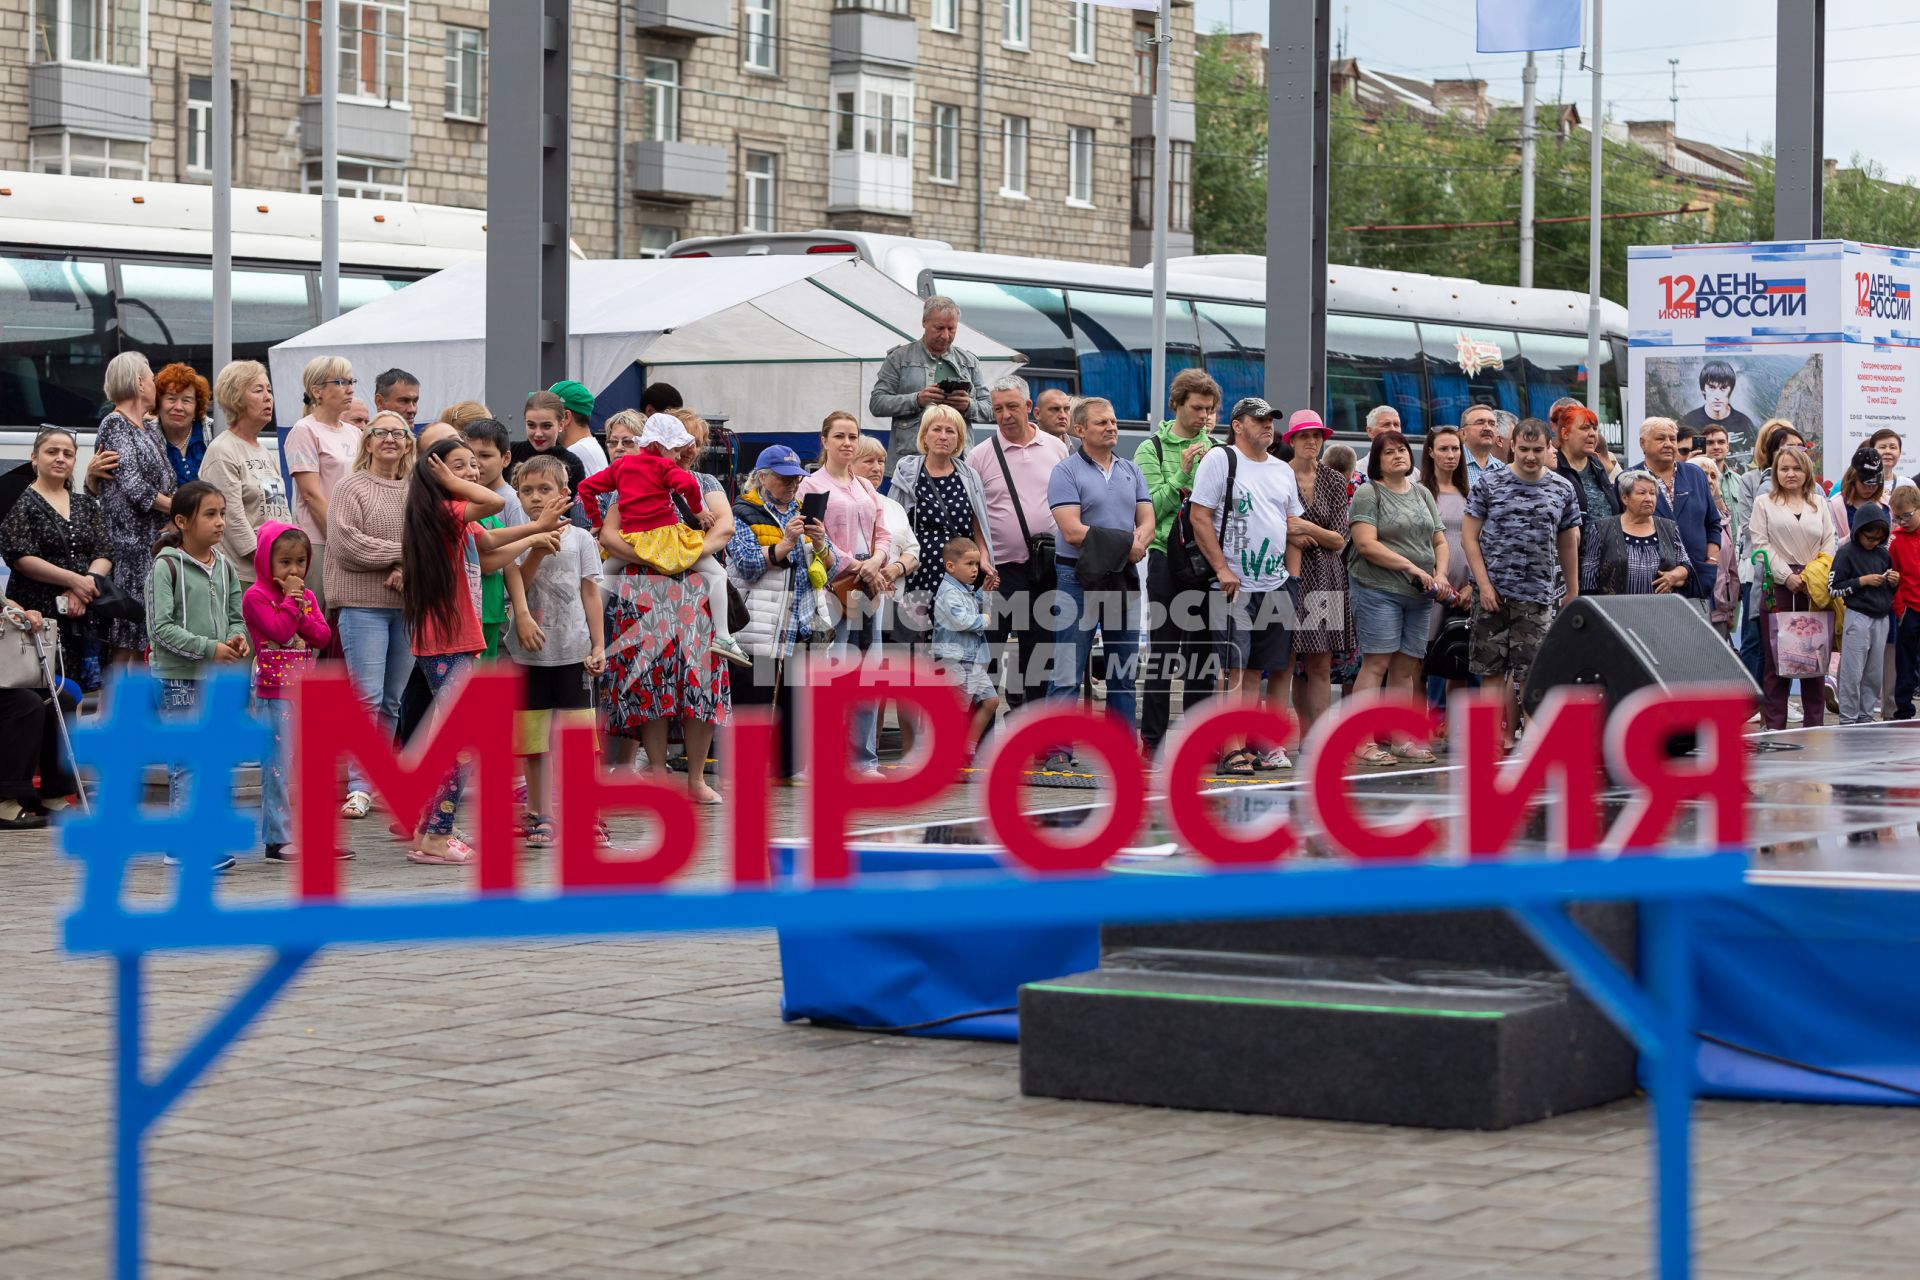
column 1014, row 464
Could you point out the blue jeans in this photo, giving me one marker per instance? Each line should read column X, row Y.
column 178, row 698
column 1120, row 637
column 379, row 660
column 866, row 721
column 442, row 670
column 276, row 814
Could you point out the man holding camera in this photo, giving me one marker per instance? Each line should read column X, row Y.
column 918, row 375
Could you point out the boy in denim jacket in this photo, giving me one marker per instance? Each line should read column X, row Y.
column 960, row 632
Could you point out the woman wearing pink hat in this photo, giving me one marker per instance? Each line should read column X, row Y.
column 1325, row 627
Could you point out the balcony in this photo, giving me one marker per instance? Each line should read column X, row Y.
column 867, row 38
column 676, row 171
column 86, row 99
column 367, row 129
column 1179, row 119
column 682, row 19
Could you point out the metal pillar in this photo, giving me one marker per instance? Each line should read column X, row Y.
column 527, row 189
column 1162, row 186
column 1799, row 118
column 620, row 129
column 1296, row 358
column 1596, row 130
column 980, row 127
column 329, row 159
column 1529, row 79
column 222, row 161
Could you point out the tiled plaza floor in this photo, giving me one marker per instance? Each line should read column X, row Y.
column 634, row 1109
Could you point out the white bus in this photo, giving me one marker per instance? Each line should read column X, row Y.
column 91, row 267
column 1428, row 345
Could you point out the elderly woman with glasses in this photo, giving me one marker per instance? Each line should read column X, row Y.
column 367, row 519
column 320, row 451
column 136, row 498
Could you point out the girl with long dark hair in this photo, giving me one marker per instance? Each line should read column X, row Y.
column 444, row 554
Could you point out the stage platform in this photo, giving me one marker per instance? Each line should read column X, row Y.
column 1806, row 983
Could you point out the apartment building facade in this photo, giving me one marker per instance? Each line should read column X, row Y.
column 1012, row 126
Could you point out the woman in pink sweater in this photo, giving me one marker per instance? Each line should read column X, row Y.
column 858, row 532
column 366, row 514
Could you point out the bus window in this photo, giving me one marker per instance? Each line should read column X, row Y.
column 1471, row 366
column 1113, row 335
column 1030, row 319
column 164, row 312
column 55, row 340
column 1233, row 338
column 1371, row 361
column 1556, row 365
column 358, row 291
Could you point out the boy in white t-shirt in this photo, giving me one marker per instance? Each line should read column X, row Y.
column 558, row 637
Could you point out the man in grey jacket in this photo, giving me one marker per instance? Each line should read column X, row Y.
column 910, row 378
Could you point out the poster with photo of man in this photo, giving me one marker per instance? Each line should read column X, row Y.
column 1738, row 391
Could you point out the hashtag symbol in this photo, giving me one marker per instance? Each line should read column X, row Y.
column 131, row 736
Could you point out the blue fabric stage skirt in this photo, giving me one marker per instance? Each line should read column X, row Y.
column 1828, row 978
column 897, row 980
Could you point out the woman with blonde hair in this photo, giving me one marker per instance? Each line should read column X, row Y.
column 369, row 513
column 1792, row 528
column 319, row 451
column 238, row 465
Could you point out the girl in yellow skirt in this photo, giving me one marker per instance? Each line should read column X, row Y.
column 648, row 485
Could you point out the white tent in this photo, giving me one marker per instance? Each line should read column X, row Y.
column 772, row 342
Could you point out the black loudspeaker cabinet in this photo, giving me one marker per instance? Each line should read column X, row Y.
column 1625, row 643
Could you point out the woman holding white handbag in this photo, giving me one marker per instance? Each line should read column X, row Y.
column 35, row 779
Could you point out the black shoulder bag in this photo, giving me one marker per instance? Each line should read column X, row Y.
column 1040, row 549
column 1185, row 561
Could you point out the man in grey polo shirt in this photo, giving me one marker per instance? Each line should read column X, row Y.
column 908, row 383
column 1093, row 490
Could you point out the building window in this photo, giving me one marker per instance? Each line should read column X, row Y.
column 871, row 162
column 1014, row 23
column 946, row 144
column 1080, row 23
column 1180, row 188
column 874, row 6
column 85, row 155
column 758, row 34
column 104, row 32
column 1143, row 59
column 887, row 129
column 200, row 125
column 465, row 60
column 1080, row 166
column 654, row 241
column 364, row 179
column 1141, row 184
column 1013, row 155
column 945, row 15
column 373, row 51
column 758, row 185
column 660, row 109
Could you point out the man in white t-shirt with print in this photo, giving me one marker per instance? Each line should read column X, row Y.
column 1252, row 559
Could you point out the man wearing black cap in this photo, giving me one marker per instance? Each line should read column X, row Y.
column 1686, row 498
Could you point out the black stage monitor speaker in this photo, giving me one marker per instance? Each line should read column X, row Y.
column 1625, row 643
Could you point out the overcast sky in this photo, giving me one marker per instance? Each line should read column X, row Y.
column 1725, row 48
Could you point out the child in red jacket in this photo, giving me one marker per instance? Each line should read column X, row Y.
column 1905, row 550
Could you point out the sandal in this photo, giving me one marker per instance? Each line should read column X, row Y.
column 536, row 830
column 458, row 854
column 1375, row 754
column 1237, row 764
column 602, row 836
column 1415, row 755
column 358, row 805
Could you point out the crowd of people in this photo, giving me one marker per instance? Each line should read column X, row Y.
column 642, row 596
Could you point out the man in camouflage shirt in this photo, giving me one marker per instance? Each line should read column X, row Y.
column 1519, row 522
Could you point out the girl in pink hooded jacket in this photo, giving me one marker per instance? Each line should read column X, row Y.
column 288, row 630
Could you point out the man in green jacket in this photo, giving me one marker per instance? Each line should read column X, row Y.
column 1182, row 645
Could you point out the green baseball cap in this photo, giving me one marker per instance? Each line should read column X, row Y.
column 575, row 396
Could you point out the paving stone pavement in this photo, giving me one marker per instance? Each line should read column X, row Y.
column 637, row 1109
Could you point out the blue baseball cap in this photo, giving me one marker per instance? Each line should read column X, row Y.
column 780, row 460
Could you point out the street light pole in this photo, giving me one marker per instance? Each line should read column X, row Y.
column 222, row 163
column 1528, row 79
column 1593, row 229
column 329, row 159
column 1162, row 184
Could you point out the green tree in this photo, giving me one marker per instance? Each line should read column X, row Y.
column 1229, row 154
column 1858, row 203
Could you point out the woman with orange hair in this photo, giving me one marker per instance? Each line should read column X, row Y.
column 182, row 409
column 1576, row 437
